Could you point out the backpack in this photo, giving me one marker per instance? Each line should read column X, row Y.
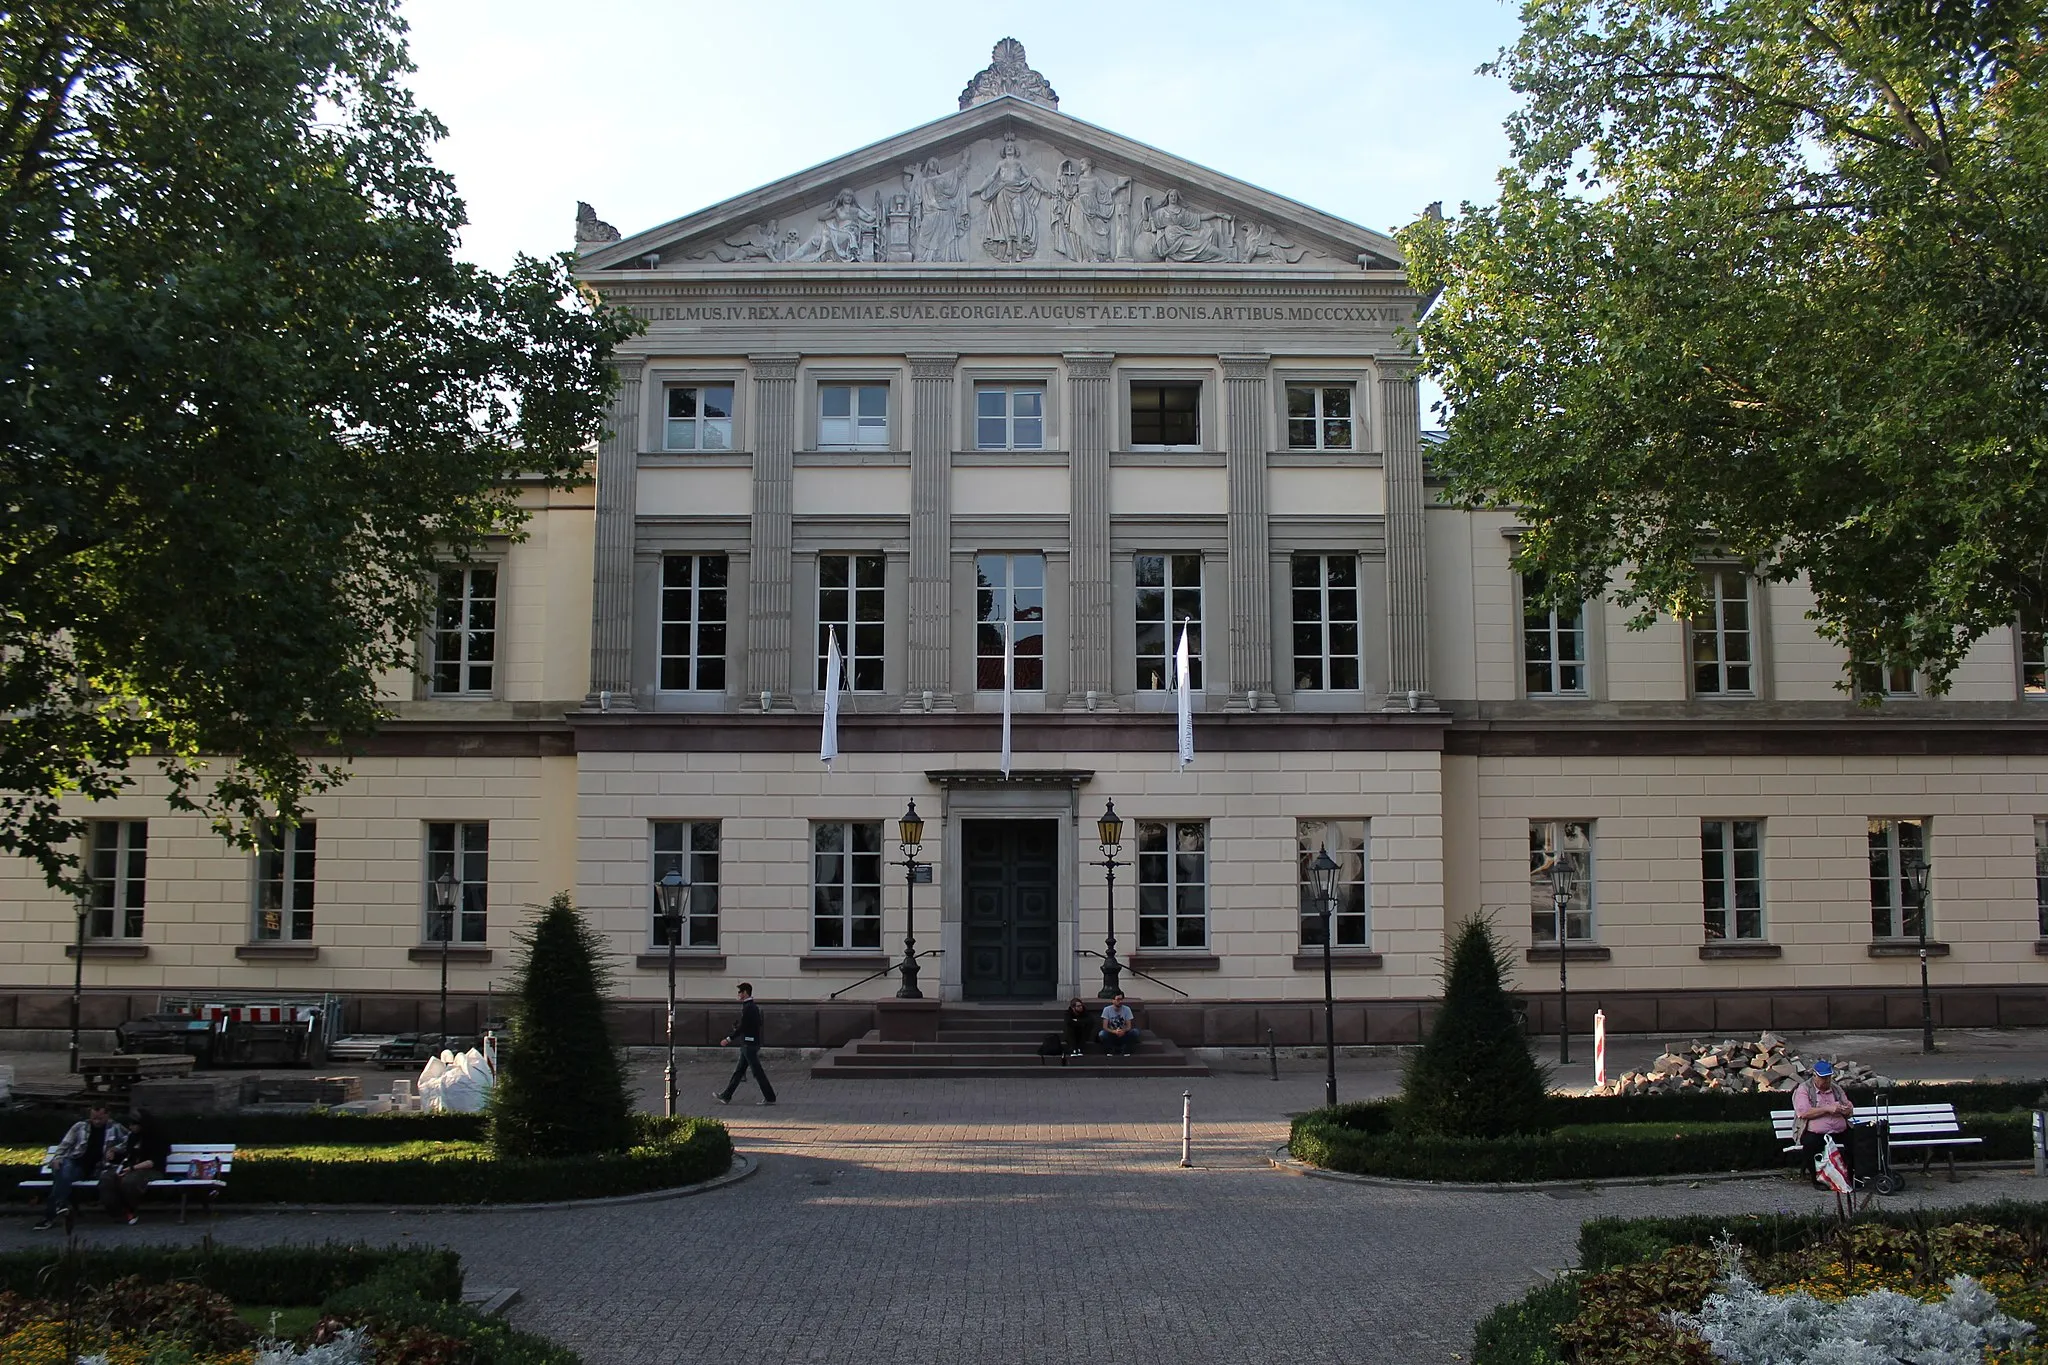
column 1053, row 1046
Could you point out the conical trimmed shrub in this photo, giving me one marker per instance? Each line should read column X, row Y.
column 1475, row 1075
column 561, row 1088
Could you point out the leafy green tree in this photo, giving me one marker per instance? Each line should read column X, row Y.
column 1474, row 1076
column 561, row 1087
column 248, row 397
column 1768, row 277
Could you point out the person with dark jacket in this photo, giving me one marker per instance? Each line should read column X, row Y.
column 144, row 1156
column 1075, row 1026
column 81, row 1155
column 746, row 1035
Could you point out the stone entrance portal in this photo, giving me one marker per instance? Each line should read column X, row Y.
column 1010, row 897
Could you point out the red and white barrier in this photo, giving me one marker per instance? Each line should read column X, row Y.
column 1599, row 1047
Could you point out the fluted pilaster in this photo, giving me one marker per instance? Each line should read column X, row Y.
column 1407, row 565
column 768, row 590
column 931, row 528
column 1091, row 420
column 611, row 604
column 1247, row 399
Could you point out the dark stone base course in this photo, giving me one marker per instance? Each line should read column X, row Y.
column 1198, row 1023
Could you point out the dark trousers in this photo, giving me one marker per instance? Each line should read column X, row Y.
column 750, row 1060
column 121, row 1196
column 68, row 1171
column 1815, row 1143
column 1075, row 1032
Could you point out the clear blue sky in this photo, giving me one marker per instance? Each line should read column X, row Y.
column 651, row 109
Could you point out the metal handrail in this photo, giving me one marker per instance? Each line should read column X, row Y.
column 1090, row 952
column 889, row 970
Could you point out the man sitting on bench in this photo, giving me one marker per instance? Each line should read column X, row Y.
column 81, row 1155
column 1821, row 1111
column 1119, row 1031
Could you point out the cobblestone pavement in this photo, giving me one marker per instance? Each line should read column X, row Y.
column 1021, row 1221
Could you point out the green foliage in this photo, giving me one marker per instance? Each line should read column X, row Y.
column 1608, row 1242
column 40, row 1128
column 561, row 1088
column 1474, row 1076
column 405, row 1325
column 251, row 398
column 284, row 1275
column 1524, row 1331
column 1763, row 275
column 1593, row 1152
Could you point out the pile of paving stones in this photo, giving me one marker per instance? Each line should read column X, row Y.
column 1732, row 1066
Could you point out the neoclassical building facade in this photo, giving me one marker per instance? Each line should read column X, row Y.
column 1000, row 410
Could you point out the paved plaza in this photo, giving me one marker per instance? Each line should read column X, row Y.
column 1037, row 1221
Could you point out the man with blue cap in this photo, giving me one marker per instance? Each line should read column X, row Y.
column 1820, row 1111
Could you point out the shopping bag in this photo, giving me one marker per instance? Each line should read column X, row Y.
column 1833, row 1167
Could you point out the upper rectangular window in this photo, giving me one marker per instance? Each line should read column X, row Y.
column 466, row 632
column 699, row 417
column 846, row 884
column 119, row 867
column 1173, row 884
column 1895, row 846
column 689, row 847
column 1326, row 633
column 2033, row 633
column 1319, row 417
column 461, row 850
column 853, row 416
column 1351, row 919
column 693, row 593
column 1732, row 878
column 2041, row 874
column 1009, row 596
column 1009, row 417
column 284, row 884
column 850, row 603
column 1552, row 842
column 1553, row 643
column 1169, row 598
column 1166, row 414
column 1887, row 680
column 1723, row 652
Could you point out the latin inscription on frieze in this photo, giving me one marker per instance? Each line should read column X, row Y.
column 1020, row 312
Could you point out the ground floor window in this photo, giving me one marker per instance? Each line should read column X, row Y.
column 119, row 867
column 1568, row 843
column 1732, row 878
column 1173, row 884
column 846, row 884
column 1345, row 842
column 2041, row 873
column 689, row 847
column 461, row 851
column 284, row 884
column 1896, row 846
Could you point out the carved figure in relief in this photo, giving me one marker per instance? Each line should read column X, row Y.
column 1179, row 233
column 1262, row 244
column 1066, row 194
column 944, row 224
column 590, row 229
column 1012, row 192
column 845, row 233
column 1103, row 200
column 758, row 242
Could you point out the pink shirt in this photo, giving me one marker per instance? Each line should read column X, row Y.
column 1807, row 1098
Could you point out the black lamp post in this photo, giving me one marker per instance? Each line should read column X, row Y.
column 673, row 894
column 78, row 980
column 1322, row 875
column 910, row 833
column 1560, row 900
column 1109, row 831
column 1916, row 885
column 444, row 901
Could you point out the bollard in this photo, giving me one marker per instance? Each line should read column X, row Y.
column 1599, row 1048
column 1187, row 1127
column 2041, row 1142
column 1272, row 1054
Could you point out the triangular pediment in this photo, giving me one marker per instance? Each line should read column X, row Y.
column 1005, row 183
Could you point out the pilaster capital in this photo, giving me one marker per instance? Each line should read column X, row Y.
column 933, row 364
column 1398, row 369
column 774, row 364
column 1246, row 366
column 627, row 369
column 1089, row 364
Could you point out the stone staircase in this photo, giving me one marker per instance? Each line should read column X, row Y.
column 996, row 1040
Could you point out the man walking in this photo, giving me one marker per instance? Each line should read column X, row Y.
column 746, row 1035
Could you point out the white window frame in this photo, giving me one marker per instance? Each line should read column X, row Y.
column 699, row 865
column 863, row 430
column 1007, row 428
column 1893, row 682
column 468, row 856
column 1173, row 593
column 855, row 879
column 118, row 868
column 1325, row 622
column 286, row 883
column 1547, row 626
column 1889, row 893
column 1348, row 841
column 1169, row 381
column 707, row 434
column 1713, row 631
column 1574, row 841
column 694, row 660
column 2030, row 643
column 2041, row 875
column 862, row 644
column 1165, row 882
column 474, row 646
column 1318, row 396
column 1005, row 604
column 1722, row 852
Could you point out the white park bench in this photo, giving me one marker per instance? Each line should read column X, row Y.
column 1926, row 1127
column 177, row 1175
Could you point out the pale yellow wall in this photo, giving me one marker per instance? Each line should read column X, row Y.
column 1454, row 653
column 1341, row 492
column 981, row 491
column 707, row 491
column 1165, row 489
column 829, row 492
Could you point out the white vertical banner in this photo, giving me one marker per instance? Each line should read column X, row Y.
column 1009, row 686
column 828, row 746
column 1184, row 698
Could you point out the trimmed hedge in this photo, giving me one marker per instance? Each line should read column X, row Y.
column 1608, row 1242
column 1713, row 1106
column 286, row 1276
column 316, row 1127
column 1524, row 1331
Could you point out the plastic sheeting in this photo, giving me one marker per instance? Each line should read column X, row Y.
column 459, row 1084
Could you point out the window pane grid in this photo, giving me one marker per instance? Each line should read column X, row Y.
column 1319, row 417
column 2041, row 874
column 1569, row 842
column 1895, row 845
column 465, row 641
column 1166, row 414
column 284, row 887
column 853, row 416
column 691, row 848
column 1009, row 417
column 1326, row 623
column 1169, row 594
column 846, row 884
column 1722, row 661
column 1553, row 643
column 2033, row 656
column 1351, row 920
column 119, row 868
column 699, row 417
column 1731, row 879
column 1173, row 884
column 462, row 850
column 693, row 617
column 850, row 601
column 1009, row 596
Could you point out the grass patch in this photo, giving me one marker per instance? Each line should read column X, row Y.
column 287, row 1322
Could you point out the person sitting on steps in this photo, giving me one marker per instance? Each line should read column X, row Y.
column 1119, row 1031
column 1074, row 1026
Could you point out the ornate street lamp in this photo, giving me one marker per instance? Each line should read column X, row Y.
column 1109, row 832
column 672, row 893
column 444, row 900
column 78, row 980
column 910, row 834
column 1322, row 876
column 1916, row 886
column 1560, row 900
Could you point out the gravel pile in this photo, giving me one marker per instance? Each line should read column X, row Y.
column 1733, row 1066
